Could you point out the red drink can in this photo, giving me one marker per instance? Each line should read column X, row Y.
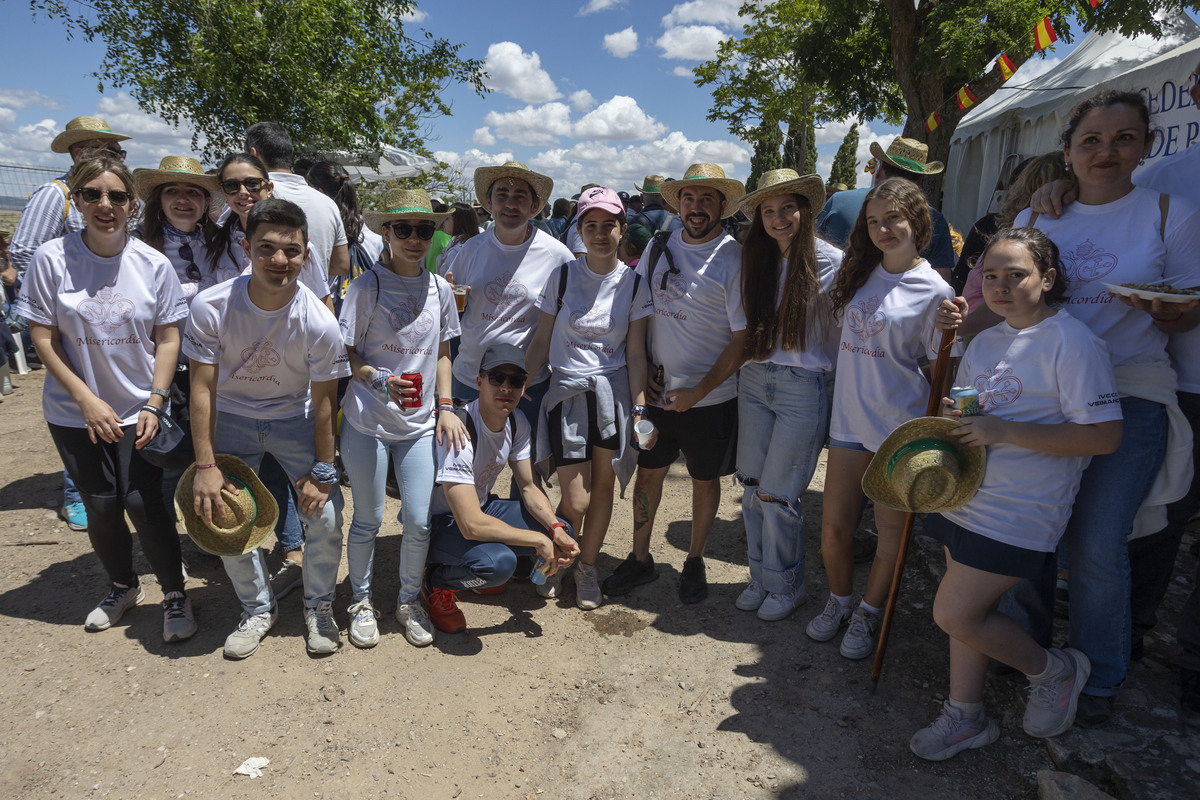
column 411, row 399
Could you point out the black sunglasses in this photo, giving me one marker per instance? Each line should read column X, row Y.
column 252, row 185
column 403, row 230
column 193, row 272
column 514, row 379
column 92, row 196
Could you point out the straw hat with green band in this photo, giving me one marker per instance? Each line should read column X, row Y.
column 542, row 185
column 777, row 182
column 175, row 169
column 403, row 204
column 651, row 185
column 249, row 515
column 81, row 129
column 704, row 174
column 908, row 155
column 921, row 468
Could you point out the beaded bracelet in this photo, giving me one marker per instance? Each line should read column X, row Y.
column 205, row 466
column 639, row 410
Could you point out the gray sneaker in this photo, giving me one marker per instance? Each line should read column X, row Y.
column 119, row 600
column 587, row 586
column 178, row 621
column 364, row 629
column 751, row 597
column 825, row 625
column 1052, row 703
column 950, row 734
column 780, row 605
column 859, row 640
column 249, row 633
column 552, row 587
column 323, row 635
column 418, row 628
column 286, row 578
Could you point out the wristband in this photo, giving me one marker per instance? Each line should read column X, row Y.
column 639, row 410
column 152, row 410
column 446, row 401
column 324, row 472
column 446, row 408
column 163, row 393
column 379, row 378
column 1166, row 319
column 562, row 525
column 205, row 466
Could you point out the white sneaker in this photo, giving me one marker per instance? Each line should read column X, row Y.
column 249, row 633
column 178, row 621
column 119, row 600
column 751, row 597
column 587, row 586
column 825, row 625
column 950, row 734
column 553, row 586
column 323, row 635
column 780, row 605
column 859, row 640
column 364, row 630
column 418, row 627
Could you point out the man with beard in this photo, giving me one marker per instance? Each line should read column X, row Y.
column 697, row 339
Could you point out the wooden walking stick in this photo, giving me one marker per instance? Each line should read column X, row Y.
column 937, row 389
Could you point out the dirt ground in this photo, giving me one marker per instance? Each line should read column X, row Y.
column 643, row 698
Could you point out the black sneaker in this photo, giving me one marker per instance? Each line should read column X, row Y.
column 1094, row 710
column 629, row 574
column 693, row 585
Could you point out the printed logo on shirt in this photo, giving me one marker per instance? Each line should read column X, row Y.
column 505, row 293
column 411, row 326
column 676, row 288
column 1086, row 263
column 259, row 356
column 488, row 474
column 591, row 323
column 108, row 310
column 998, row 387
column 865, row 318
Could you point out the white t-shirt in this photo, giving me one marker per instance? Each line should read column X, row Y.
column 575, row 239
column 1116, row 243
column 820, row 351
column 697, row 312
column 209, row 277
column 105, row 310
column 1053, row 372
column 372, row 242
column 398, row 324
column 505, row 281
column 312, row 271
column 265, row 359
column 325, row 228
column 886, row 329
column 591, row 328
column 496, row 448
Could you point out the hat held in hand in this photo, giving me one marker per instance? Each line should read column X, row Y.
column 921, row 468
column 249, row 515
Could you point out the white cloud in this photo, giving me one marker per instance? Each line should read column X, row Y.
column 598, row 5
column 618, row 118
column 468, row 161
column 414, row 15
column 517, row 74
column 531, row 125
column 582, row 100
column 712, row 12
column 7, row 117
column 483, row 137
column 622, row 44
column 16, row 99
column 683, row 72
column 691, row 42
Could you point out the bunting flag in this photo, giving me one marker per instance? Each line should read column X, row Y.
column 934, row 120
column 1094, row 3
column 1007, row 70
column 965, row 98
column 871, row 166
column 1044, row 35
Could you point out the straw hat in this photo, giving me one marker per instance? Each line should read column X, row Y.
column 81, row 129
column 403, row 204
column 249, row 516
column 486, row 176
column 785, row 181
column 921, row 468
column 651, row 185
column 908, row 155
column 704, row 174
column 175, row 169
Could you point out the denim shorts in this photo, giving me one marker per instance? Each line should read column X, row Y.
column 988, row 555
column 848, row 445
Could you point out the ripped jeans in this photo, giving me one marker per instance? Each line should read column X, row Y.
column 782, row 424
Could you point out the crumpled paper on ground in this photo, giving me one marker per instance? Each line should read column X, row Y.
column 252, row 767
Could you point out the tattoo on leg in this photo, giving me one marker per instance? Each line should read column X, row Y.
column 641, row 509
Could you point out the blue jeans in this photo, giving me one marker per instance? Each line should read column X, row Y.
column 460, row 563
column 71, row 494
column 290, row 441
column 366, row 461
column 530, row 405
column 782, row 414
column 288, row 533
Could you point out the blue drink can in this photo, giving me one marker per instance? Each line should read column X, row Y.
column 538, row 576
column 966, row 400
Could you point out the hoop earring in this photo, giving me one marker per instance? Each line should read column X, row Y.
column 1140, row 163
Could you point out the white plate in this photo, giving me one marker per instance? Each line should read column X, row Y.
column 1166, row 297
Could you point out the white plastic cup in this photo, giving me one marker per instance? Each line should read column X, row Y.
column 643, row 429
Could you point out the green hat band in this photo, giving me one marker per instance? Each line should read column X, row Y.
column 409, row 210
column 917, row 446
column 907, row 163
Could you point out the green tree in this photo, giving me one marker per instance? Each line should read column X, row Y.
column 800, row 148
column 767, row 138
column 338, row 74
column 845, row 163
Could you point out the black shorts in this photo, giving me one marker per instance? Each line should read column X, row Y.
column 707, row 437
column 980, row 552
column 554, row 419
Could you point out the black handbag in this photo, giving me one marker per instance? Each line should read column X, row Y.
column 171, row 447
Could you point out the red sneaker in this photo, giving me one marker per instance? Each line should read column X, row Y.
column 492, row 590
column 444, row 611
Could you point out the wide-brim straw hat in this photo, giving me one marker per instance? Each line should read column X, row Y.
column 652, row 184
column 250, row 515
column 543, row 186
column 711, row 175
column 921, row 468
column 403, row 204
column 175, row 169
column 908, row 155
column 81, row 129
column 776, row 182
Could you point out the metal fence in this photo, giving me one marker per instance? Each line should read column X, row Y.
column 16, row 182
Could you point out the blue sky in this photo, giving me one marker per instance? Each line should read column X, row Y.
column 582, row 90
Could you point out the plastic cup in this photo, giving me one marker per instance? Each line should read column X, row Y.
column 460, row 298
column 642, row 431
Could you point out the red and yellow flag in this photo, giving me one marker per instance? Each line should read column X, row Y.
column 933, row 121
column 965, row 98
column 1044, row 35
column 1007, row 69
column 1094, row 3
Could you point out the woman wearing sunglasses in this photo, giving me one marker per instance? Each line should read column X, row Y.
column 397, row 322
column 104, row 310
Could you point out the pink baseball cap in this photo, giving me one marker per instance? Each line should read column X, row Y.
column 602, row 198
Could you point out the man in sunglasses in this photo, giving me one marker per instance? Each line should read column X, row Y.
column 475, row 537
column 48, row 215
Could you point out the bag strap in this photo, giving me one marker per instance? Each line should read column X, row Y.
column 469, row 422
column 66, row 199
column 658, row 245
column 1032, row 220
column 562, row 285
column 637, row 280
column 1164, row 202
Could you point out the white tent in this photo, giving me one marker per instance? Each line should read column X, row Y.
column 1025, row 118
column 389, row 164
